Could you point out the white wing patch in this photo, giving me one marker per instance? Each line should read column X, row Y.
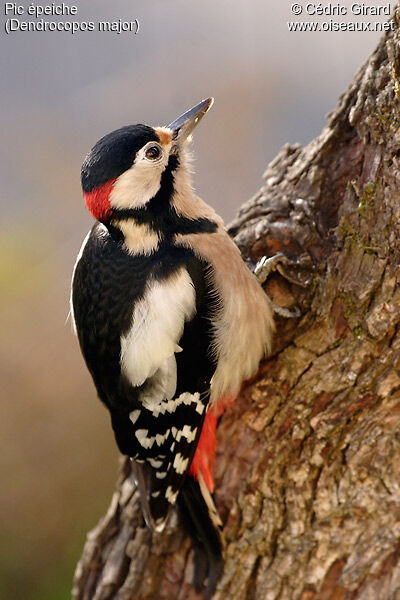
column 160, row 387
column 147, row 441
column 171, row 495
column 180, row 463
column 186, row 432
column 134, row 415
column 148, row 349
column 171, row 404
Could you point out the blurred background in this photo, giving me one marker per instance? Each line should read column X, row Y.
column 60, row 93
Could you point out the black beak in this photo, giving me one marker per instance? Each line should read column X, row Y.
column 184, row 125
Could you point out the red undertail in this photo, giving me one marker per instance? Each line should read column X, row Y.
column 204, row 458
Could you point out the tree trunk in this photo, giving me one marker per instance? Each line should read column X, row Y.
column 308, row 467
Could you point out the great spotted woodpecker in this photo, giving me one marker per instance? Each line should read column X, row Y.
column 170, row 321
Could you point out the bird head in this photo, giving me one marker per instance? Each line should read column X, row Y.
column 127, row 168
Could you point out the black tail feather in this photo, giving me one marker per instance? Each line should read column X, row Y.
column 203, row 526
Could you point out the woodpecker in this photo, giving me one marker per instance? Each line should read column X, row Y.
column 170, row 321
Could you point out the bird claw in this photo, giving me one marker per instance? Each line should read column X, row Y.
column 263, row 269
column 285, row 312
column 266, row 265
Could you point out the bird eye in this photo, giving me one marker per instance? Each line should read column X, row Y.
column 153, row 152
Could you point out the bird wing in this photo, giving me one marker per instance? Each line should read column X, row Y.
column 161, row 469
column 148, row 348
column 166, row 354
column 144, row 329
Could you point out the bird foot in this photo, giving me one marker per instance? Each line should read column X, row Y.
column 264, row 268
column 266, row 265
column 285, row 312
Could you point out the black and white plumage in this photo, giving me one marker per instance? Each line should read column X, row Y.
column 132, row 355
column 170, row 321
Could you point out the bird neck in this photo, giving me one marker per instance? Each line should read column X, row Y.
column 173, row 210
column 137, row 238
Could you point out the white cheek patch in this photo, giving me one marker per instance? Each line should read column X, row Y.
column 157, row 325
column 136, row 186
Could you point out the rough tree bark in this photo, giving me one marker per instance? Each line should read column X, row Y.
column 308, row 476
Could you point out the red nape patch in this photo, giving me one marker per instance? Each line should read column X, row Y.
column 98, row 201
column 204, row 458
